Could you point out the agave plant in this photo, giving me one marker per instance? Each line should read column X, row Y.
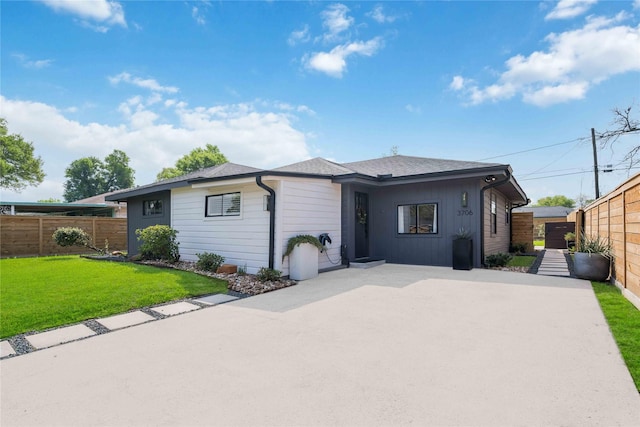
column 596, row 245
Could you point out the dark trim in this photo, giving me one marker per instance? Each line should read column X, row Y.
column 437, row 219
column 272, row 219
column 485, row 188
column 222, row 214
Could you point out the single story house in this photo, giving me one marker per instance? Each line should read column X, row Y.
column 399, row 208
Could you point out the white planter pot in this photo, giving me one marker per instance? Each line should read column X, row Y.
column 303, row 262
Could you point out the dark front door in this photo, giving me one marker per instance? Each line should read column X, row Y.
column 362, row 225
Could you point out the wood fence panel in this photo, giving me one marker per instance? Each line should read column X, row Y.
column 522, row 229
column 617, row 216
column 33, row 235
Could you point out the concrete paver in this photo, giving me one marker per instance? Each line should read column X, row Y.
column 59, row 336
column 176, row 308
column 216, row 299
column 6, row 349
column 124, row 320
column 391, row 345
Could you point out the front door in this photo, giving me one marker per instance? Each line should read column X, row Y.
column 362, row 225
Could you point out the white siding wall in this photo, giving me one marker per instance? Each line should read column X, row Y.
column 308, row 206
column 242, row 240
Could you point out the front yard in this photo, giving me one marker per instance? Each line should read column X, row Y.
column 41, row 293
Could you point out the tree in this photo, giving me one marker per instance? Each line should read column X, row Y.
column 116, row 172
column 50, row 200
column 89, row 176
column 623, row 124
column 583, row 200
column 556, row 201
column 198, row 158
column 84, row 179
column 19, row 168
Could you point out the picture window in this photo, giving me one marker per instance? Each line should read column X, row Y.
column 223, row 205
column 418, row 219
column 151, row 207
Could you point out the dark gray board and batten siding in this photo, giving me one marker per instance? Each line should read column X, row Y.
column 136, row 220
column 420, row 249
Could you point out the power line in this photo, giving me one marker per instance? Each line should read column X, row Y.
column 533, row 149
column 572, row 173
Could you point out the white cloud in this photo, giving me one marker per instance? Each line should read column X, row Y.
column 378, row 15
column 636, row 4
column 37, row 64
column 299, row 36
column 334, row 63
column 566, row 9
column 413, row 109
column 91, row 12
column 575, row 61
column 247, row 135
column 150, row 84
column 336, row 21
column 198, row 16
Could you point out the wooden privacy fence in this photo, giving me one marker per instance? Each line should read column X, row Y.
column 616, row 216
column 32, row 235
column 522, row 229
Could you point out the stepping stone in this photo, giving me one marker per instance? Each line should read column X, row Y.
column 216, row 299
column 6, row 349
column 123, row 320
column 59, row 336
column 177, row 308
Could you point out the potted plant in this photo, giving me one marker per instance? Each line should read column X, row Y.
column 302, row 251
column 592, row 259
column 570, row 238
column 462, row 250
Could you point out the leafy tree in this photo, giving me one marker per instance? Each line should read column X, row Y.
column 19, row 168
column 116, row 172
column 556, row 201
column 89, row 176
column 50, row 200
column 198, row 158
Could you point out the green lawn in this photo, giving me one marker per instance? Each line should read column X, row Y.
column 522, row 261
column 624, row 322
column 538, row 243
column 41, row 293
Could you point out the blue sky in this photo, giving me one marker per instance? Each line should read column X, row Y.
column 272, row 83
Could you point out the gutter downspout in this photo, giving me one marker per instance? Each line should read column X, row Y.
column 272, row 219
column 492, row 185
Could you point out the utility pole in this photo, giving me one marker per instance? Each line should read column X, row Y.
column 595, row 161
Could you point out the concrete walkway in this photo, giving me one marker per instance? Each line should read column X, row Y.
column 391, row 345
column 554, row 263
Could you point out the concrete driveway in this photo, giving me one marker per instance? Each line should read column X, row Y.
column 392, row 345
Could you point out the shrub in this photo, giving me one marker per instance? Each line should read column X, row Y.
column 300, row 239
column 268, row 274
column 158, row 242
column 497, row 260
column 73, row 236
column 242, row 270
column 209, row 262
column 518, row 248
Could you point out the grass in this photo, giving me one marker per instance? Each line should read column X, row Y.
column 538, row 243
column 522, row 261
column 41, row 293
column 624, row 322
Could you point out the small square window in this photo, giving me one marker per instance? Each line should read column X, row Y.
column 223, row 205
column 151, row 207
column 418, row 219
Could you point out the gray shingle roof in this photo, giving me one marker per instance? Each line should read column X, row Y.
column 399, row 166
column 546, row 211
column 317, row 166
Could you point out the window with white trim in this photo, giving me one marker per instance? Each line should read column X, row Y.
column 418, row 219
column 223, row 205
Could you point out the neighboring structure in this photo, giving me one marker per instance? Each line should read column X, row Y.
column 543, row 215
column 399, row 208
column 57, row 209
column 119, row 209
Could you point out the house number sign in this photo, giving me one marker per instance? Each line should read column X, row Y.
column 465, row 212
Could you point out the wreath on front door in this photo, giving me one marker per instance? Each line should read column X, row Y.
column 362, row 215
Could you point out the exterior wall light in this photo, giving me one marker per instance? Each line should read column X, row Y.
column 489, row 178
column 464, row 200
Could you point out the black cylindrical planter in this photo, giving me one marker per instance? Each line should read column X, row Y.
column 462, row 254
